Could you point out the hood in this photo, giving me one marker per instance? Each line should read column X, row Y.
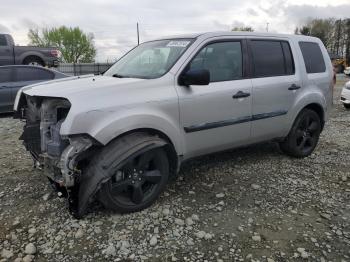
column 76, row 85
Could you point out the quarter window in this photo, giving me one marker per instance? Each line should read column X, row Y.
column 313, row 57
column 223, row 61
column 33, row 74
column 271, row 58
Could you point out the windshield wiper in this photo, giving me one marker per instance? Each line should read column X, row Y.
column 119, row 76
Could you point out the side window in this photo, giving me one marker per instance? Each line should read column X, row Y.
column 5, row 75
column 32, row 74
column 3, row 41
column 223, row 61
column 271, row 58
column 313, row 57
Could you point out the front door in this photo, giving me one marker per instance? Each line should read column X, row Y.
column 217, row 116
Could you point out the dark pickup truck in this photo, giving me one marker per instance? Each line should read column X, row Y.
column 26, row 55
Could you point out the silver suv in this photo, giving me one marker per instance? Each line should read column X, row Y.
column 120, row 136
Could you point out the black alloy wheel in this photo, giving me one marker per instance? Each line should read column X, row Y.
column 304, row 135
column 138, row 183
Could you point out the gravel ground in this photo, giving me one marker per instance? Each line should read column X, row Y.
column 250, row 204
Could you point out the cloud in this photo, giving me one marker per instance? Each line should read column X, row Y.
column 252, row 12
column 300, row 13
column 4, row 29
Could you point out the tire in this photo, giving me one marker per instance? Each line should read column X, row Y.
column 347, row 106
column 304, row 135
column 138, row 183
column 33, row 60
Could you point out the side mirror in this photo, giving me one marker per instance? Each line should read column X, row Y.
column 195, row 77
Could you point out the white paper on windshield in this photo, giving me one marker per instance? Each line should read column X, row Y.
column 178, row 43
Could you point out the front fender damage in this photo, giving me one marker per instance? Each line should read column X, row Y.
column 96, row 175
column 68, row 160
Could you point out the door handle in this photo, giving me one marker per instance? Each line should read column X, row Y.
column 240, row 94
column 293, row 87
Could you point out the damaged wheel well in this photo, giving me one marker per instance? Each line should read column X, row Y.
column 169, row 147
column 115, row 154
column 174, row 162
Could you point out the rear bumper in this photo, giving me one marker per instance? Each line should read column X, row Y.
column 52, row 63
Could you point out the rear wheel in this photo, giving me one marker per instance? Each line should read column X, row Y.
column 34, row 61
column 138, row 183
column 303, row 137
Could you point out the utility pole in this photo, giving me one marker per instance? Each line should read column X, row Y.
column 267, row 27
column 138, row 33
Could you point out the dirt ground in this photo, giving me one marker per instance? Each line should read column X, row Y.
column 250, row 204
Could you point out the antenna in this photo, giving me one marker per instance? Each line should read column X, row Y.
column 138, row 33
column 267, row 27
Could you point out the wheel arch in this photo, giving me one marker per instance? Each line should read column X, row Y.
column 96, row 174
column 310, row 100
column 170, row 149
column 32, row 56
column 315, row 106
column 319, row 110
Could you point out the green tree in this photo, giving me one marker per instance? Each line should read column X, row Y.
column 305, row 30
column 243, row 28
column 75, row 45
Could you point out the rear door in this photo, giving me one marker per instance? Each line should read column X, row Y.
column 6, row 52
column 6, row 84
column 276, row 82
column 27, row 75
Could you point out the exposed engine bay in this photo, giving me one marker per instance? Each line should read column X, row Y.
column 58, row 156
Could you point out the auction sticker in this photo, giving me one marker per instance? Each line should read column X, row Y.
column 178, row 43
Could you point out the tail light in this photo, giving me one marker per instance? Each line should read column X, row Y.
column 55, row 53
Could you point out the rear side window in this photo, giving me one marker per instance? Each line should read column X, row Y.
column 271, row 58
column 5, row 75
column 223, row 60
column 313, row 57
column 33, row 74
column 3, row 41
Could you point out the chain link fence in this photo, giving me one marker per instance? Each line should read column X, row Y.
column 83, row 68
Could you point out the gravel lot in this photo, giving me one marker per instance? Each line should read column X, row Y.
column 250, row 204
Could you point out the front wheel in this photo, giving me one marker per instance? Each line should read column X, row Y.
column 304, row 135
column 347, row 106
column 138, row 183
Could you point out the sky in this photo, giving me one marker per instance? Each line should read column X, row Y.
column 113, row 22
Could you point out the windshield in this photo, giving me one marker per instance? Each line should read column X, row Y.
column 149, row 60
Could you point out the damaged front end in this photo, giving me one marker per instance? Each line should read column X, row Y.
column 62, row 158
